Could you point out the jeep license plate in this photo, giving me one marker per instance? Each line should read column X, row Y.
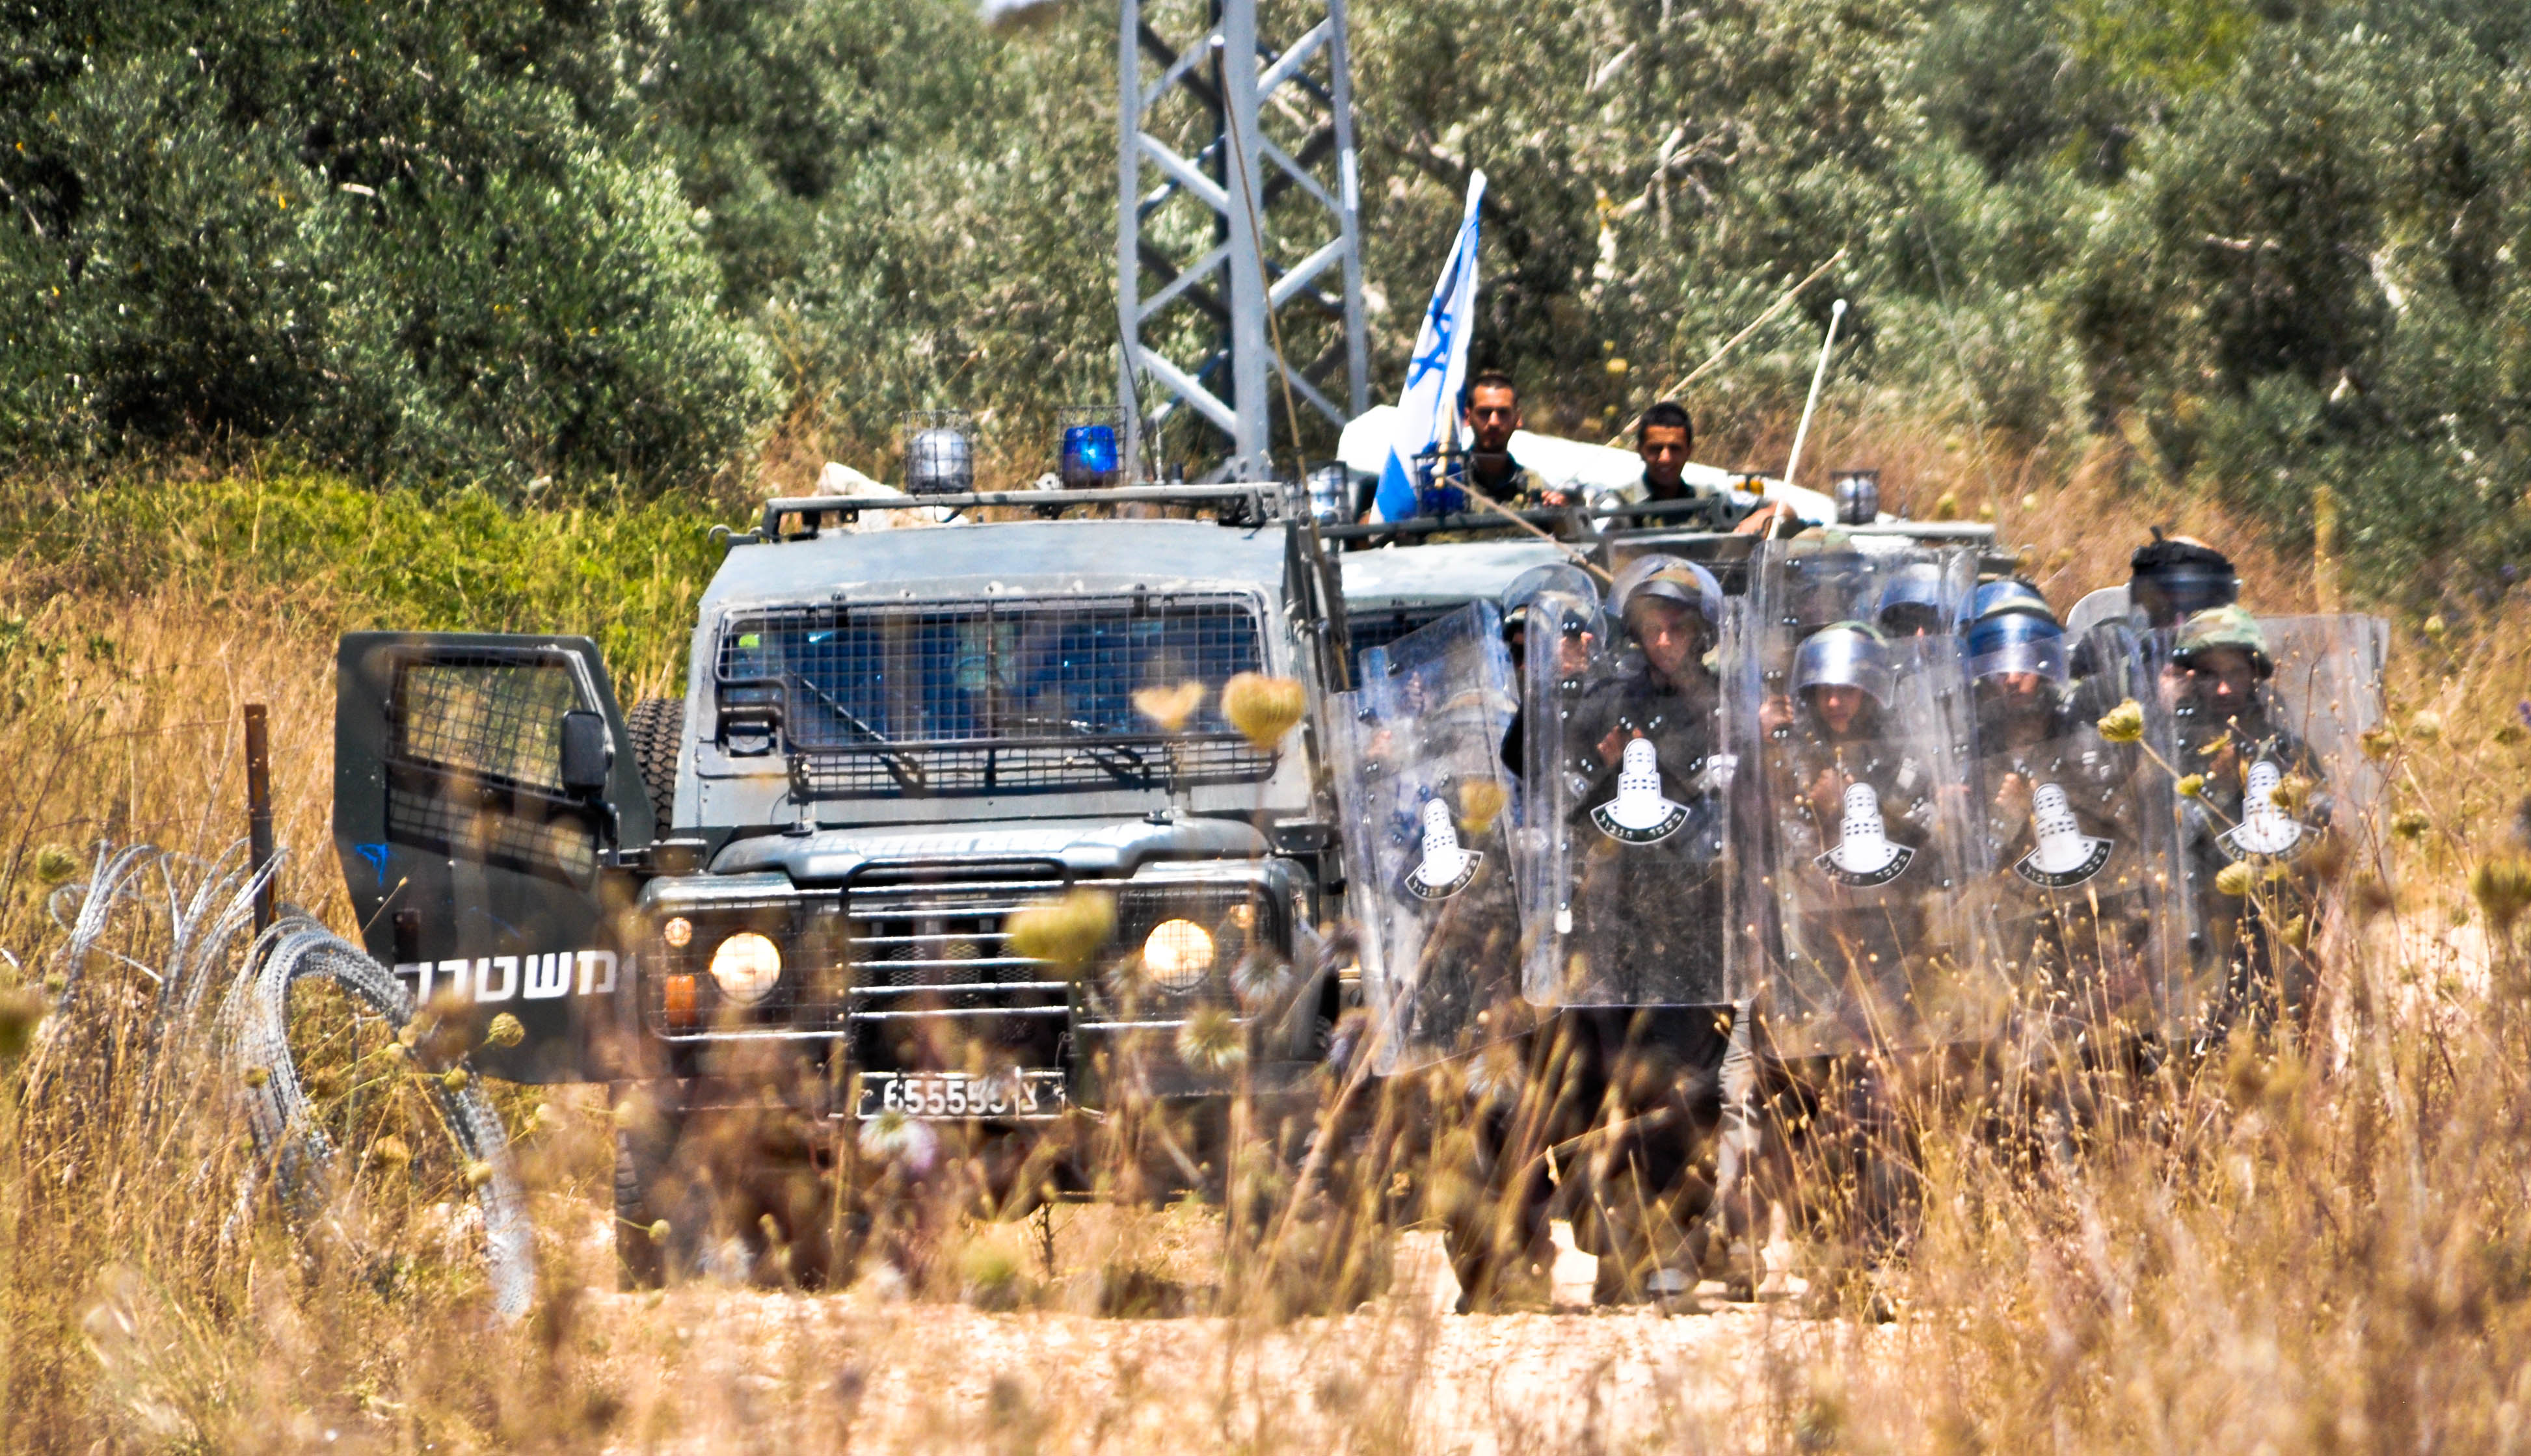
column 956, row 1094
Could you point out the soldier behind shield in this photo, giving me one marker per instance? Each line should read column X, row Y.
column 2261, row 806
column 1858, row 809
column 2070, row 891
column 1644, row 777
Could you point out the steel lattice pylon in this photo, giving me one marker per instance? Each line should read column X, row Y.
column 1255, row 146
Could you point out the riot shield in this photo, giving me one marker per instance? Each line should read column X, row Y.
column 2277, row 801
column 1897, row 587
column 1861, row 750
column 1426, row 806
column 1626, row 837
column 2073, row 830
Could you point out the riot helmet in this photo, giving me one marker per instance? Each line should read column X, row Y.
column 1668, row 579
column 1658, row 596
column 1912, row 601
column 2011, row 592
column 2178, row 577
column 1559, row 577
column 2015, row 640
column 1837, row 659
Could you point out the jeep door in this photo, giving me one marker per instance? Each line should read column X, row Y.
column 484, row 789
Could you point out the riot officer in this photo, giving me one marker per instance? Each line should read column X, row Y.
column 2260, row 806
column 1859, row 809
column 2071, row 897
column 1647, row 792
column 1648, row 733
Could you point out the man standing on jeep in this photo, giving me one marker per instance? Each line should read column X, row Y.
column 1493, row 413
column 1663, row 438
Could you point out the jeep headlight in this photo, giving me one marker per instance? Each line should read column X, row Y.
column 746, row 966
column 1178, row 954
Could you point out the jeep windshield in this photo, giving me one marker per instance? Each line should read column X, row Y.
column 990, row 697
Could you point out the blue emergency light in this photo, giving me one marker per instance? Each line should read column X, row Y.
column 1090, row 457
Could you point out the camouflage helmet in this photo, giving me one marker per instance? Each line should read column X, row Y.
column 2227, row 626
column 1668, row 579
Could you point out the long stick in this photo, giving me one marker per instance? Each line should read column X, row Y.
column 1835, row 317
column 1581, row 559
column 1670, row 391
column 259, row 812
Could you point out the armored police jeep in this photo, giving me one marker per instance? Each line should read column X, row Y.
column 797, row 886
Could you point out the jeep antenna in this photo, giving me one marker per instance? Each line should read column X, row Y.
column 1818, row 377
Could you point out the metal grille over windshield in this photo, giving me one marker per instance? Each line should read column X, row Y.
column 992, row 697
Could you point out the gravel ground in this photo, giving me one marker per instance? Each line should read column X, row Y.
column 713, row 1368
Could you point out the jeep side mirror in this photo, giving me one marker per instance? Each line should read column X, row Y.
column 586, row 756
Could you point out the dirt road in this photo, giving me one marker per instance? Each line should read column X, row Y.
column 715, row 1367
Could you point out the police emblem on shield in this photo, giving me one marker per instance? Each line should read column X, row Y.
column 2065, row 856
column 1446, row 866
column 1863, row 856
column 1639, row 814
column 2266, row 832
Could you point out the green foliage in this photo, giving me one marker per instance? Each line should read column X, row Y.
column 341, row 557
column 559, row 251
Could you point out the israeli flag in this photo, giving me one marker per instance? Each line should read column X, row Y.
column 1430, row 404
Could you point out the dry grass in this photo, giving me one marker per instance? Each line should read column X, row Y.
column 2313, row 1243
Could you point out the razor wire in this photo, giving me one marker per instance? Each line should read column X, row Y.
column 203, row 908
column 257, row 1020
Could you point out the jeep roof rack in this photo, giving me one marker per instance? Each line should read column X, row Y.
column 1589, row 523
column 1256, row 502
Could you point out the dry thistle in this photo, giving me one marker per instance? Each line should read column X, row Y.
column 2293, row 793
column 2502, row 888
column 659, row 1231
column 389, row 1152
column 454, row 1079
column 2124, row 723
column 54, row 865
column 505, row 1030
column 1947, row 506
column 2191, row 785
column 2425, row 727
column 2378, row 742
column 477, row 1173
column 1210, row 1040
column 2236, row 880
column 1480, row 802
column 1064, row 933
column 2412, row 823
column 1262, row 708
column 1170, row 708
column 257, row 1076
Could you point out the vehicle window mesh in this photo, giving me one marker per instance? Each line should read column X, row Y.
column 496, row 718
column 986, row 696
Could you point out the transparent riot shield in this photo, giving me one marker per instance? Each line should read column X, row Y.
column 1426, row 806
column 2276, row 809
column 1897, row 587
column 2073, row 835
column 1868, row 849
column 1627, row 842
